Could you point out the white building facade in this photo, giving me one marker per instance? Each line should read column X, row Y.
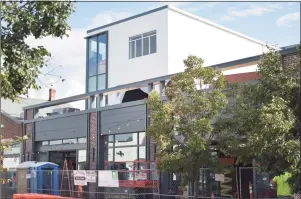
column 155, row 43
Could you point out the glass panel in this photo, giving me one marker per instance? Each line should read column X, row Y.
column 92, row 84
column 54, row 142
column 42, row 157
column 81, row 156
column 82, row 140
column 102, row 53
column 126, row 156
column 44, row 143
column 132, row 49
column 146, row 46
column 101, row 82
column 92, row 51
column 149, row 33
column 110, row 140
column 153, row 44
column 142, row 138
column 110, row 154
column 69, row 141
column 126, row 139
column 138, row 48
column 142, row 153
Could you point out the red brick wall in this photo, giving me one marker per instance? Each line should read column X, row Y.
column 11, row 128
column 290, row 60
column 93, row 139
column 93, row 144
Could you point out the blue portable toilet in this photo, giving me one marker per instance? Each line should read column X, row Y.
column 43, row 177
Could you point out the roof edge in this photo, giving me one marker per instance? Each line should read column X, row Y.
column 180, row 11
column 10, row 117
column 127, row 19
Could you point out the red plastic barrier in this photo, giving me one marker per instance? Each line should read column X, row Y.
column 38, row 196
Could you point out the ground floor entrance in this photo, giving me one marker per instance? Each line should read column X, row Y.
column 59, row 158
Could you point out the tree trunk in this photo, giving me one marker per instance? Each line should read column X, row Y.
column 196, row 184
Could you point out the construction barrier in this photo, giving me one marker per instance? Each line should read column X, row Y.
column 37, row 196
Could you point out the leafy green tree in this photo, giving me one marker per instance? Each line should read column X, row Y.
column 262, row 121
column 6, row 145
column 181, row 126
column 22, row 64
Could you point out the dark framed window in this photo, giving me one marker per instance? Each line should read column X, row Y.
column 125, row 149
column 143, row 44
column 97, row 62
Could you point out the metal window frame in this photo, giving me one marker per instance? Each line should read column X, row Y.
column 106, row 65
column 142, row 36
column 137, row 146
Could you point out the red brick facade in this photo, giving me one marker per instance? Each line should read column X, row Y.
column 290, row 60
column 93, row 147
column 93, row 140
column 11, row 127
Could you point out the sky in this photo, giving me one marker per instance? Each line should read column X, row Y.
column 276, row 23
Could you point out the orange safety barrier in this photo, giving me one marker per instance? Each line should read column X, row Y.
column 38, row 196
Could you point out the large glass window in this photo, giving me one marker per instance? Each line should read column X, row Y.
column 124, row 149
column 143, row 44
column 92, row 62
column 97, row 62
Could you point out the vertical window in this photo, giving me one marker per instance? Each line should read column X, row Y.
column 101, row 82
column 143, row 44
column 146, row 46
column 97, row 62
column 92, row 84
column 138, row 47
column 153, row 44
column 92, row 62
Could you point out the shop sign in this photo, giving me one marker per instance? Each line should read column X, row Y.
column 219, row 177
column 91, row 176
column 80, row 177
column 11, row 162
column 107, row 178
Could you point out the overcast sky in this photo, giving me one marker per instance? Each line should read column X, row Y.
column 273, row 23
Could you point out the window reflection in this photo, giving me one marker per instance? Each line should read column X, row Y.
column 110, row 140
column 97, row 62
column 122, row 151
column 142, row 138
column 125, row 139
column 102, row 53
column 142, row 153
column 92, row 56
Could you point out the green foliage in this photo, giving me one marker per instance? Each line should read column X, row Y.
column 22, row 63
column 6, row 145
column 262, row 121
column 181, row 126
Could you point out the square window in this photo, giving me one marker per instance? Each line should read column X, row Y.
column 101, row 82
column 92, row 84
